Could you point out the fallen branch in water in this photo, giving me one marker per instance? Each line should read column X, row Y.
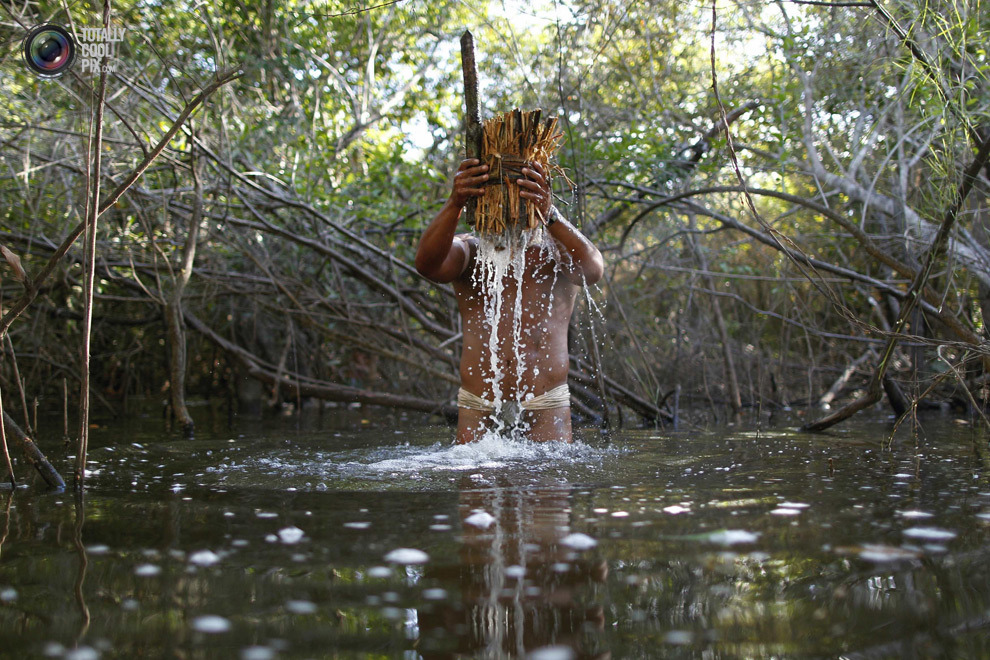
column 33, row 454
column 303, row 386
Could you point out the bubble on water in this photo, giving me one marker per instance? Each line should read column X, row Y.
column 782, row 511
column 441, row 527
column 129, row 605
column 211, row 624
column 8, row 594
column 147, row 570
column 883, row 553
column 379, row 572
column 257, row 653
column 578, row 541
column 82, row 653
column 552, row 653
column 434, row 594
column 290, row 535
column 620, row 514
column 301, row 607
column 53, row 649
column 357, row 525
column 98, row 549
column 983, row 516
column 407, row 556
column 480, row 519
column 204, row 558
column 675, row 509
column 731, row 537
column 794, row 505
column 266, row 514
column 515, row 571
column 929, row 533
column 678, row 637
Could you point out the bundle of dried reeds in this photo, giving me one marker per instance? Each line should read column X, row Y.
column 511, row 141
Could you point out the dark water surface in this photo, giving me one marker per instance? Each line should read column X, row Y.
column 271, row 543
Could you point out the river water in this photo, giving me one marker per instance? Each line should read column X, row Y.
column 385, row 541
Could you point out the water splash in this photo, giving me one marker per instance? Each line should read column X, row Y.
column 500, row 257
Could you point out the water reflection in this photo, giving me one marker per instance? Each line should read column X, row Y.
column 720, row 546
column 516, row 587
column 77, row 529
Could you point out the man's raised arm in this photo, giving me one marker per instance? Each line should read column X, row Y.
column 586, row 264
column 440, row 257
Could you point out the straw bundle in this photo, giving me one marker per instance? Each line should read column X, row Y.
column 511, row 141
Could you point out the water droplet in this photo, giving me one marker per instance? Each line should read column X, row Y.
column 678, row 637
column 211, row 624
column 357, row 525
column 82, row 653
column 301, row 607
column 379, row 572
column 552, row 653
column 290, row 535
column 257, row 653
column 929, row 533
column 731, row 537
column 204, row 558
column 480, row 519
column 407, row 556
column 578, row 541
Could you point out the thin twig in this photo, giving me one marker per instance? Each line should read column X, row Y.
column 3, row 441
column 89, row 260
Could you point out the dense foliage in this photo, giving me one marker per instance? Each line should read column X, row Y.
column 305, row 182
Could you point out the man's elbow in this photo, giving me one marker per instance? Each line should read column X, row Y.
column 422, row 265
column 430, row 270
column 594, row 269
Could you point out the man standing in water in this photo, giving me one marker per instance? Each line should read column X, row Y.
column 515, row 311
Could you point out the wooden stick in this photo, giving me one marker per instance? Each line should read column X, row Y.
column 472, row 113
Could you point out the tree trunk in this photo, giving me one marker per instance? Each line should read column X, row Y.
column 177, row 365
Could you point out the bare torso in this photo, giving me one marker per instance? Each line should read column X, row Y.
column 530, row 349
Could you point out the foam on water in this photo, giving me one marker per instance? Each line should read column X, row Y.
column 491, row 451
column 416, row 465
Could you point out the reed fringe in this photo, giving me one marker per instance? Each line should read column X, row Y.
column 510, row 141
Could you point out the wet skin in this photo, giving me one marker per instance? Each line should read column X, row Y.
column 549, row 290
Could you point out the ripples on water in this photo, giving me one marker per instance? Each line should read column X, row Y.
column 390, row 544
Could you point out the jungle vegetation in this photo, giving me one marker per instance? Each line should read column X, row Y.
column 831, row 243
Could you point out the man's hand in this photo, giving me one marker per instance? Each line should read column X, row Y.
column 468, row 182
column 536, row 189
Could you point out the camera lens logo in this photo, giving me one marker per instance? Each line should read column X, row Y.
column 49, row 50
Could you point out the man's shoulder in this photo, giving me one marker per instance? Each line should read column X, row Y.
column 470, row 242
